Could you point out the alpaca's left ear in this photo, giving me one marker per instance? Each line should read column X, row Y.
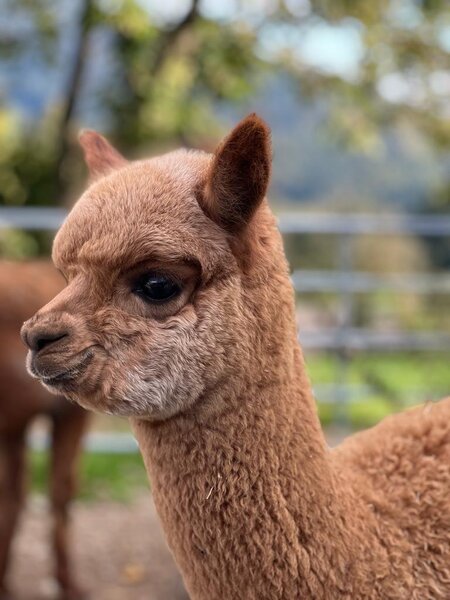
column 239, row 175
column 101, row 158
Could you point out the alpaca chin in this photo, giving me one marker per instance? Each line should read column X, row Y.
column 137, row 396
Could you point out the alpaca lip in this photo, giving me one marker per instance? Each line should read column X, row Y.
column 68, row 375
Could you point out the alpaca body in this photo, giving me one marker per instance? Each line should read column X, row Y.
column 179, row 313
column 21, row 401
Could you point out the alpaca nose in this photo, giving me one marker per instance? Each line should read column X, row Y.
column 38, row 338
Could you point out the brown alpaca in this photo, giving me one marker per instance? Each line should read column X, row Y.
column 23, row 288
column 179, row 313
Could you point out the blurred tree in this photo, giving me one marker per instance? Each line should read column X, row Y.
column 391, row 63
column 158, row 73
column 163, row 82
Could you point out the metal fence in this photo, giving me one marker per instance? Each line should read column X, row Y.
column 344, row 281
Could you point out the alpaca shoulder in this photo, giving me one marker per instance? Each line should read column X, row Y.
column 401, row 468
column 418, row 435
column 400, row 473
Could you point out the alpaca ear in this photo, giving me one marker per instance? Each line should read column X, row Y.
column 239, row 174
column 101, row 158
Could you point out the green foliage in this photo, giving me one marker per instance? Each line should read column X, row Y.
column 17, row 245
column 402, row 48
column 165, row 81
column 173, row 100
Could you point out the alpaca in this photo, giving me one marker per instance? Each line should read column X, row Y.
column 179, row 313
column 21, row 400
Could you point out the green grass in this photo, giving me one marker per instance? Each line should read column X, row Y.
column 357, row 414
column 395, row 381
column 102, row 476
column 393, row 374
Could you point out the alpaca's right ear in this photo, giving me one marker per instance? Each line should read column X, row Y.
column 101, row 158
column 239, row 175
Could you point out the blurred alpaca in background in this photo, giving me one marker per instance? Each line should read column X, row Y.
column 21, row 400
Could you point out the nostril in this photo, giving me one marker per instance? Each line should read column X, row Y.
column 39, row 340
column 47, row 339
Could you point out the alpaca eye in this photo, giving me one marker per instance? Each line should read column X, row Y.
column 154, row 287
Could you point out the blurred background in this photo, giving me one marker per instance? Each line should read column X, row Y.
column 358, row 98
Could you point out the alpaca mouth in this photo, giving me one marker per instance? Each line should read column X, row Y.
column 68, row 376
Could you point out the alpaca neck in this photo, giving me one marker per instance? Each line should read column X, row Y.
column 246, row 493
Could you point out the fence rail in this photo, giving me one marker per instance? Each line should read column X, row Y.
column 49, row 218
column 31, row 218
column 309, row 280
column 343, row 224
column 361, row 339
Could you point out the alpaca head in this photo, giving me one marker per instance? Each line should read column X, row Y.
column 167, row 262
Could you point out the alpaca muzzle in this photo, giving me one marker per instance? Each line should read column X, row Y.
column 54, row 356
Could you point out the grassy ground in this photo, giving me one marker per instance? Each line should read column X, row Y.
column 395, row 374
column 103, row 476
column 384, row 383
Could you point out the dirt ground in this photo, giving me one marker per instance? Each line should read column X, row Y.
column 119, row 553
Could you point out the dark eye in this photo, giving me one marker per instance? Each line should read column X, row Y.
column 155, row 287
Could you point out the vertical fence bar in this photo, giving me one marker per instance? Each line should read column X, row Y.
column 344, row 266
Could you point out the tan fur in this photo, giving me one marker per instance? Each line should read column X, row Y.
column 253, row 503
column 23, row 288
column 100, row 155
